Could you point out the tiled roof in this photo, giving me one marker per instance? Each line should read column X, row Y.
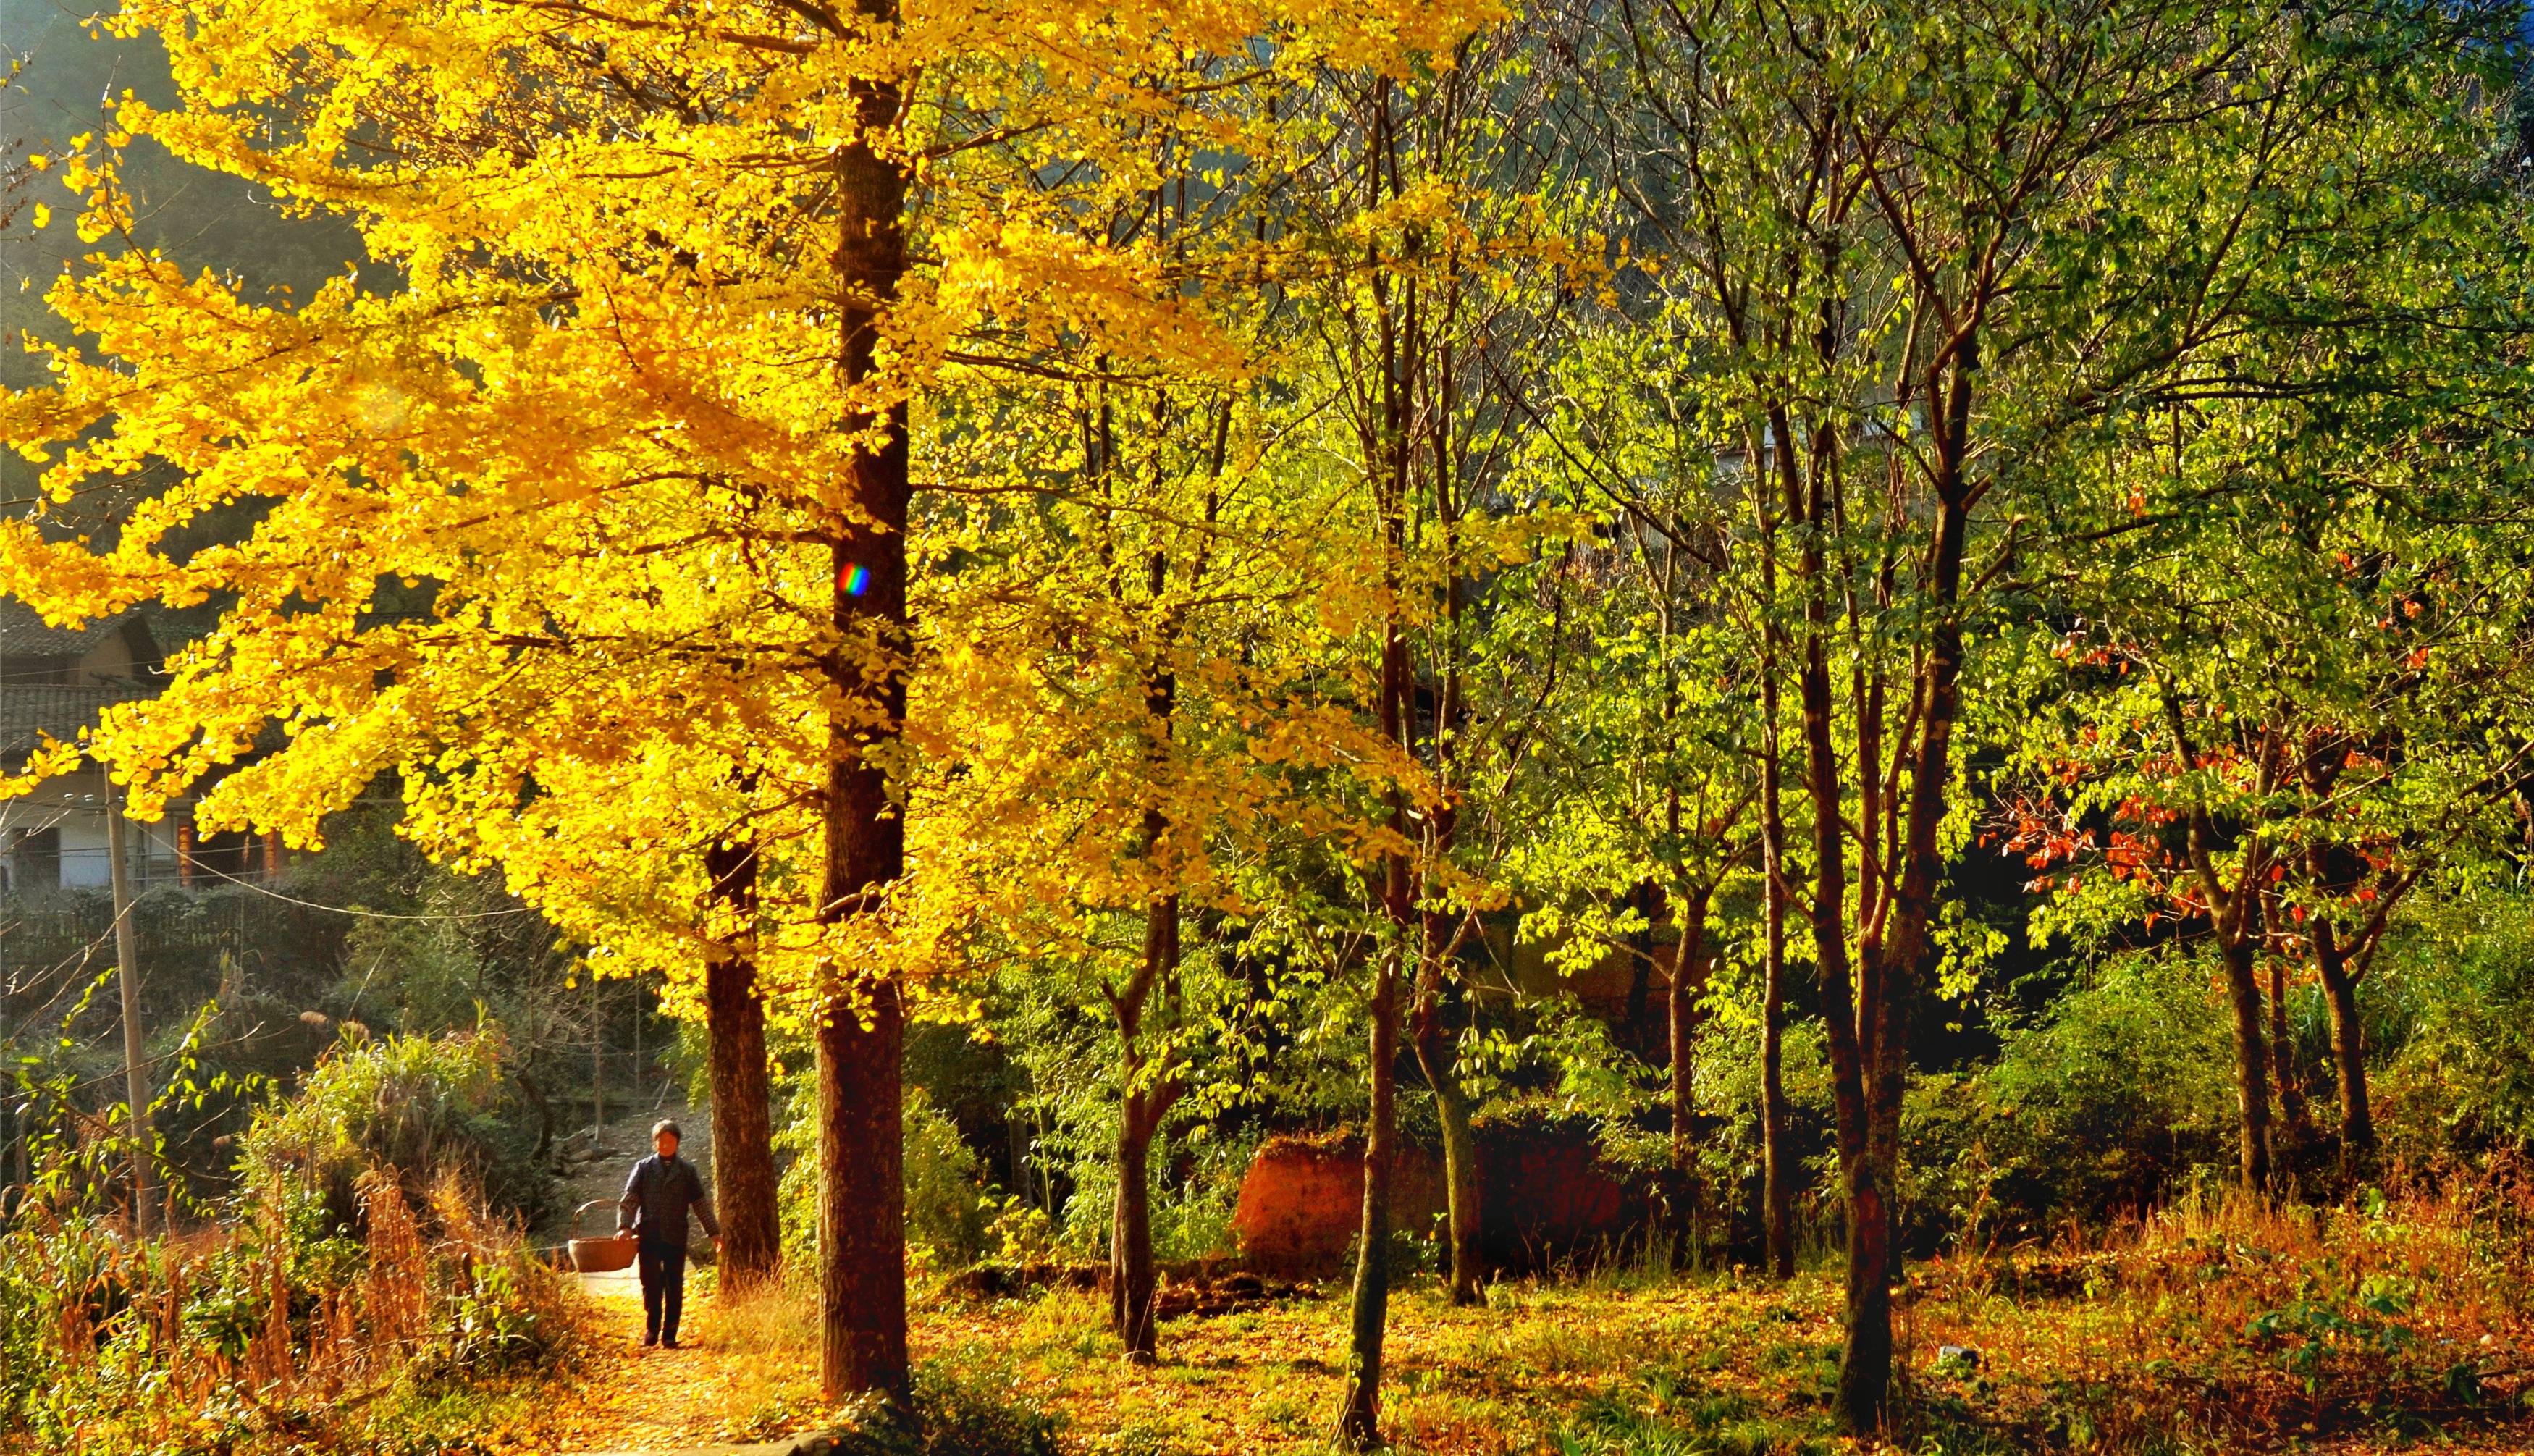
column 26, row 714
column 24, row 634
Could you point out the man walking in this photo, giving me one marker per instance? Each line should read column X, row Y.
column 662, row 1187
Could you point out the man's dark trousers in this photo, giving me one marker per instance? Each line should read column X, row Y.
column 664, row 1289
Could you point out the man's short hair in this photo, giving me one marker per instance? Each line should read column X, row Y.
column 668, row 1126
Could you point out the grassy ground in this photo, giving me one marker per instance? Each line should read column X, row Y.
column 2209, row 1330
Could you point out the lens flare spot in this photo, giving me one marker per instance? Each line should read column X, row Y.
column 854, row 579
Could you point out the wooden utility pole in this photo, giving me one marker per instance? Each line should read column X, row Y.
column 598, row 1061
column 127, row 970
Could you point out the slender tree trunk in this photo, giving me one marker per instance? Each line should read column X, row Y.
column 1777, row 1161
column 1689, row 968
column 743, row 1122
column 1898, row 964
column 2348, row 1051
column 2232, row 917
column 1435, row 1057
column 1633, row 1032
column 1360, row 1420
column 1388, row 453
column 1360, row 1425
column 1865, row 1366
column 1132, row 1287
column 860, row 1031
column 127, row 975
column 598, row 1061
column 2251, row 1058
column 1144, row 1100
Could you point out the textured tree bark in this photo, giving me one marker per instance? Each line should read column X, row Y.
column 861, row 1030
column 1131, row 1282
column 2252, row 1061
column 2348, row 1051
column 862, row 1197
column 743, row 1122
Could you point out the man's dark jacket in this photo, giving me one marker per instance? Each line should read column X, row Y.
column 657, row 1196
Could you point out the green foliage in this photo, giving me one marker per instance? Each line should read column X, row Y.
column 1673, row 1413
column 419, row 1108
column 264, row 1320
column 946, row 1210
column 956, row 1415
column 2453, row 1019
column 950, row 1212
column 2107, row 1105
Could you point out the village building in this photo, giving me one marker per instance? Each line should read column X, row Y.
column 53, row 683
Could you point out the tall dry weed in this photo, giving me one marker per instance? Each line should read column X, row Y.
column 2230, row 1319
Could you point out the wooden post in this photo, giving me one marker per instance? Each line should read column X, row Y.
column 185, row 852
column 127, row 965
column 597, row 1060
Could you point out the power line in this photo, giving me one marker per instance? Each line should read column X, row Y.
column 204, row 869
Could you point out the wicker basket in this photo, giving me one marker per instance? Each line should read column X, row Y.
column 602, row 1255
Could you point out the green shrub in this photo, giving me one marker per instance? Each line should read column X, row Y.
column 264, row 1322
column 2112, row 1102
column 948, row 1207
column 424, row 1107
column 956, row 1415
column 2451, row 1020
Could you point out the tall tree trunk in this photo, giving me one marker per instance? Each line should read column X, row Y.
column 2252, row 1061
column 1777, row 1161
column 2349, row 1050
column 1897, row 965
column 861, row 1195
column 1689, row 968
column 1132, row 1287
column 1360, row 1423
column 2232, row 919
column 127, row 976
column 1865, row 1366
column 1360, row 1420
column 743, row 1122
column 860, row 1029
column 1144, row 1100
column 1436, row 1056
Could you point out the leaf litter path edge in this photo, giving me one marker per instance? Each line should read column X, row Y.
column 630, row 1401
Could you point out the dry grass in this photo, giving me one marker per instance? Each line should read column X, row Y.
column 2228, row 1323
column 2222, row 1326
column 239, row 1338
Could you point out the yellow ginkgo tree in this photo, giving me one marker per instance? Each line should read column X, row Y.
column 581, row 504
